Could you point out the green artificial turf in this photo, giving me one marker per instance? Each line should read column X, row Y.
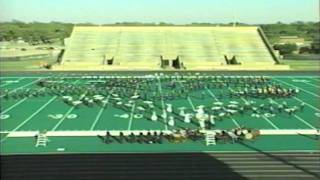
column 35, row 114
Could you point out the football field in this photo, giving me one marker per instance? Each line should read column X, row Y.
column 74, row 128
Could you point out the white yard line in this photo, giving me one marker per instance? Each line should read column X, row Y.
column 317, row 109
column 100, row 112
column 67, row 113
column 34, row 114
column 16, row 104
column 132, row 109
column 311, row 85
column 211, row 93
column 304, row 81
column 5, row 84
column 191, row 103
column 2, row 140
column 316, row 79
column 24, row 77
column 235, row 122
column 306, row 104
column 162, row 103
column 270, row 122
column 304, row 121
column 265, row 118
column 189, row 99
column 22, row 86
column 63, row 118
column 299, row 118
column 297, row 87
column 131, row 116
column 97, row 118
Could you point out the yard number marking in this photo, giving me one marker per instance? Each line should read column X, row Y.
column 55, row 116
column 4, row 116
column 59, row 116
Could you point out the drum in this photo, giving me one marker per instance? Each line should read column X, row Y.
column 238, row 132
column 248, row 136
column 119, row 103
column 218, row 103
column 138, row 116
column 216, row 108
column 202, row 117
column 245, row 131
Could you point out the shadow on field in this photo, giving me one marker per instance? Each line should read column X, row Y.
column 116, row 166
column 312, row 137
column 283, row 160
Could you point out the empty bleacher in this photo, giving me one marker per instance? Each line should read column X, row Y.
column 142, row 47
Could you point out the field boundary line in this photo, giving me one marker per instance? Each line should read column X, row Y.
column 23, row 86
column 144, row 76
column 66, row 133
column 3, row 85
column 304, row 82
column 24, row 77
column 311, row 85
column 297, row 87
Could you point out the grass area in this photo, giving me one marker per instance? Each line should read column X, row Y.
column 24, row 65
column 304, row 65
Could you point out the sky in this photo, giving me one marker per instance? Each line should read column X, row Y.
column 171, row 11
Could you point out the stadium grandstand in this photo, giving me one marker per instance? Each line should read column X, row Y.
column 168, row 48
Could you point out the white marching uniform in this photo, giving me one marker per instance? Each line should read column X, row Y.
column 169, row 108
column 187, row 118
column 171, row 121
column 212, row 120
column 154, row 116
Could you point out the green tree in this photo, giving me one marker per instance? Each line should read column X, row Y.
column 285, row 48
column 315, row 45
